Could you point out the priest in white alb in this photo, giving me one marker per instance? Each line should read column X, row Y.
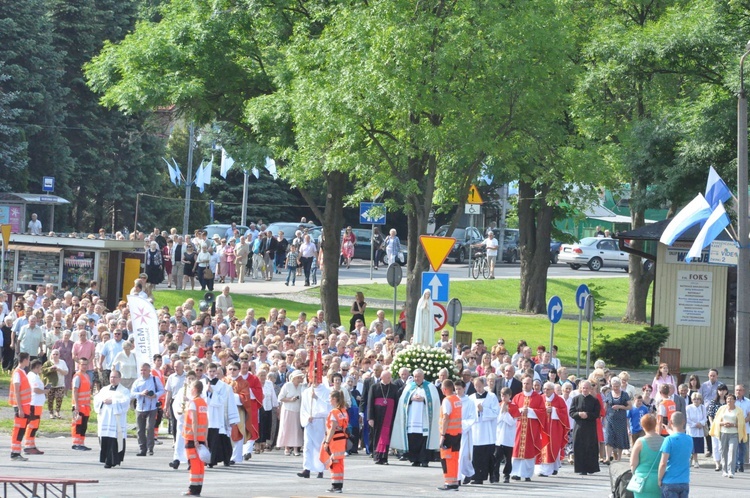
column 111, row 405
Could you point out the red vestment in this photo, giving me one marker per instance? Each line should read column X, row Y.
column 248, row 431
column 531, row 434
column 557, row 429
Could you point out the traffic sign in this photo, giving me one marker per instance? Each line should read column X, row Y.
column 48, row 184
column 474, row 196
column 371, row 213
column 581, row 293
column 455, row 310
column 588, row 309
column 472, row 209
column 554, row 309
column 5, row 229
column 436, row 249
column 437, row 283
column 394, row 274
column 440, row 315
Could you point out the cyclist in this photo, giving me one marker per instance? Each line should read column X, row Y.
column 491, row 244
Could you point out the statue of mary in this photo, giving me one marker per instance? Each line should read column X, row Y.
column 424, row 324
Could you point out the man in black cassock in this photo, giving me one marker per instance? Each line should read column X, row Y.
column 381, row 410
column 585, row 410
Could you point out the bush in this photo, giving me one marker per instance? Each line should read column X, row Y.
column 429, row 359
column 632, row 350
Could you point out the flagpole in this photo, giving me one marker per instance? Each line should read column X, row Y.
column 743, row 261
column 188, row 181
column 244, row 197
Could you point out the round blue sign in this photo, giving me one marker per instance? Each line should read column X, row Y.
column 554, row 309
column 581, row 293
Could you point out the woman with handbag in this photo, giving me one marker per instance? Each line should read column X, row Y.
column 729, row 428
column 643, row 459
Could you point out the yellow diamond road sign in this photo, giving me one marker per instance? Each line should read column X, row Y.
column 436, row 249
column 6, row 235
column 474, row 196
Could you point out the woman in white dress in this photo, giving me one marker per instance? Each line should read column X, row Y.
column 126, row 363
column 290, row 429
column 424, row 326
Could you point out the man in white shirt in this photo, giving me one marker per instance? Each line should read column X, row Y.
column 382, row 320
column 224, row 300
column 491, row 244
column 375, row 336
column 35, row 226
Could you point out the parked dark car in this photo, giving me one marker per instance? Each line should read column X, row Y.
column 220, row 229
column 554, row 251
column 510, row 245
column 362, row 246
column 290, row 227
column 465, row 236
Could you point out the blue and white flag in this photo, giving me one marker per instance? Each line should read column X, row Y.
column 697, row 211
column 256, row 173
column 226, row 163
column 716, row 223
column 271, row 167
column 716, row 190
column 172, row 173
column 199, row 178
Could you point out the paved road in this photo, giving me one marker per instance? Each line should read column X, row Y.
column 360, row 270
column 274, row 475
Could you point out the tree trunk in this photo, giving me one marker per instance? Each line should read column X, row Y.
column 640, row 280
column 418, row 210
column 534, row 227
column 333, row 221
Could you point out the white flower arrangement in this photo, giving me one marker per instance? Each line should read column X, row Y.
column 430, row 359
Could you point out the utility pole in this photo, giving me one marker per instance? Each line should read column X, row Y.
column 188, row 180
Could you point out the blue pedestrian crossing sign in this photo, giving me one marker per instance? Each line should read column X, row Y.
column 371, row 213
column 437, row 283
column 581, row 294
column 554, row 309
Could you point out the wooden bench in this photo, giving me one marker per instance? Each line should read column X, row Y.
column 27, row 486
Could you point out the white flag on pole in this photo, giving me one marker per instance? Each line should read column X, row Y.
column 145, row 329
column 226, row 163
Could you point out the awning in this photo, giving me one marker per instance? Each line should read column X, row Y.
column 28, row 248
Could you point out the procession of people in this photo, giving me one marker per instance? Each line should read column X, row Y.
column 242, row 384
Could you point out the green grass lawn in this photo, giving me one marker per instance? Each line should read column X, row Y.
column 533, row 328
column 504, row 294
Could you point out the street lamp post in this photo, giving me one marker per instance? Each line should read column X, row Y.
column 743, row 262
column 188, row 181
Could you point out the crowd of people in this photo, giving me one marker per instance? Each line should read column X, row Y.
column 258, row 254
column 243, row 385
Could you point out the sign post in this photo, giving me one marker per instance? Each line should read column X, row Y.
column 455, row 310
column 554, row 313
column 581, row 294
column 394, row 276
column 588, row 314
column 372, row 213
column 473, row 206
column 5, row 229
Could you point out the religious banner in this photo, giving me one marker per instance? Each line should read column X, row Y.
column 145, row 329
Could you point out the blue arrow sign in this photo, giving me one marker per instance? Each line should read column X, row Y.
column 437, row 283
column 371, row 213
column 554, row 309
column 581, row 293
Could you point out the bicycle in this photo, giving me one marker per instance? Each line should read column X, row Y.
column 480, row 266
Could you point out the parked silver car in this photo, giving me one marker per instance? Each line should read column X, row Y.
column 594, row 252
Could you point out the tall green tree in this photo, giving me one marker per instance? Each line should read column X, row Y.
column 647, row 63
column 12, row 147
column 413, row 99
column 34, row 69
